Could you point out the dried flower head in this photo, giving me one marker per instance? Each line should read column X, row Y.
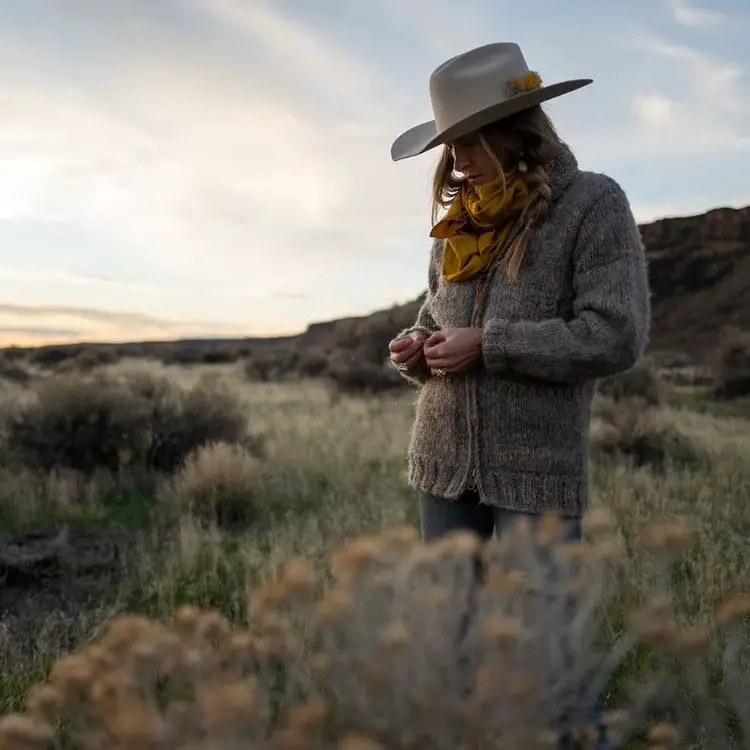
column 528, row 82
column 664, row 735
column 355, row 741
column 24, row 733
column 671, row 538
column 599, row 520
column 734, row 609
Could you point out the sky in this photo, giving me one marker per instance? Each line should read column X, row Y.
column 175, row 168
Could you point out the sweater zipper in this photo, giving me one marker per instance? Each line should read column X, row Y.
column 476, row 317
column 476, row 322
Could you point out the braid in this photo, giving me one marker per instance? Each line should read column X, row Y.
column 537, row 210
column 540, row 200
column 527, row 138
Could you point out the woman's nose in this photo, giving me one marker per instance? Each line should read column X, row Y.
column 462, row 162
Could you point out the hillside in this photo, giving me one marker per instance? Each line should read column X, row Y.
column 700, row 280
column 699, row 268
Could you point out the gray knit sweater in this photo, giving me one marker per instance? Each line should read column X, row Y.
column 516, row 428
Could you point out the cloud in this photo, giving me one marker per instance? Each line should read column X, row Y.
column 697, row 104
column 426, row 22
column 74, row 279
column 654, row 110
column 311, row 64
column 30, row 333
column 70, row 324
column 289, row 295
column 694, row 17
column 225, row 160
column 82, row 313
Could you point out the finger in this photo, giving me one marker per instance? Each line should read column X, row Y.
column 435, row 338
column 441, row 364
column 456, row 365
column 399, row 344
column 415, row 361
column 444, row 358
column 403, row 356
column 435, row 351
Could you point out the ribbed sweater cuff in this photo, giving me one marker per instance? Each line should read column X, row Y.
column 494, row 350
column 417, row 379
column 415, row 329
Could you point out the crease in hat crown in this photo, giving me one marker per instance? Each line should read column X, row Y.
column 473, row 81
column 474, row 89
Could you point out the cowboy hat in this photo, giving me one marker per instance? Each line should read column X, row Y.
column 474, row 89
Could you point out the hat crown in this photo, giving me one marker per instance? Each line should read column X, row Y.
column 472, row 90
column 473, row 81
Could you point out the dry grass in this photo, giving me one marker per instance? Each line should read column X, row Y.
column 218, row 483
column 333, row 468
column 731, row 365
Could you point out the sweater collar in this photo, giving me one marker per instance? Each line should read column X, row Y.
column 562, row 170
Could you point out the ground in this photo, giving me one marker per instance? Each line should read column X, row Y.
column 76, row 552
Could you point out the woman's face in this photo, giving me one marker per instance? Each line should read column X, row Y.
column 471, row 158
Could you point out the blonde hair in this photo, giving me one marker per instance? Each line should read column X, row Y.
column 528, row 137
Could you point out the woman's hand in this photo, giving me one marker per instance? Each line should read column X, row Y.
column 453, row 350
column 407, row 353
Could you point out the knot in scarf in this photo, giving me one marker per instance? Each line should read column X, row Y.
column 477, row 224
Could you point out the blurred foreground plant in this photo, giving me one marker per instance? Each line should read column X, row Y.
column 403, row 645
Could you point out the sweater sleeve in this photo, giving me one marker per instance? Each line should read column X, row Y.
column 425, row 323
column 609, row 329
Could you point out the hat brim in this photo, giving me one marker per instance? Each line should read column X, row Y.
column 424, row 137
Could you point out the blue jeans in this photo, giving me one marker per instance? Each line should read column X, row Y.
column 439, row 517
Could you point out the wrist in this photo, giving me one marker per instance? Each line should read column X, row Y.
column 479, row 341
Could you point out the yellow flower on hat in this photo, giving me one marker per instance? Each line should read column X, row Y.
column 528, row 82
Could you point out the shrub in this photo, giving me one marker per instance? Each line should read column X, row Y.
column 693, row 376
column 181, row 355
column 107, row 421
column 640, row 381
column 13, row 372
column 219, row 357
column 731, row 365
column 631, row 430
column 363, row 378
column 218, row 482
column 312, row 365
column 88, row 360
column 448, row 645
column 260, row 370
column 51, row 356
column 14, row 354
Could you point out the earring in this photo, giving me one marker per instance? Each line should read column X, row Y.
column 523, row 167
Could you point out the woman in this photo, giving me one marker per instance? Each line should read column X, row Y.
column 538, row 286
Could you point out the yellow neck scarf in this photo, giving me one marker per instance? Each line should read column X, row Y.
column 477, row 224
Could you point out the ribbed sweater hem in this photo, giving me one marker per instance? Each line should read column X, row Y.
column 523, row 492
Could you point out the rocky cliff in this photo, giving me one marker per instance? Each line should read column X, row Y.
column 699, row 268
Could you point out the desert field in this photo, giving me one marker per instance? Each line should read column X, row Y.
column 140, row 488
